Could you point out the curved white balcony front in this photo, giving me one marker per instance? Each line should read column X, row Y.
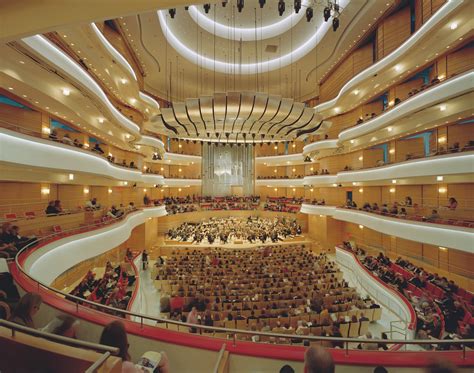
column 459, row 238
column 49, row 261
column 60, row 60
column 320, row 180
column 284, row 183
column 454, row 87
column 181, row 182
column 17, row 148
column 445, row 165
column 281, row 160
column 432, row 35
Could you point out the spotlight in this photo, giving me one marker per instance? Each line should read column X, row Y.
column 224, row 3
column 262, row 3
column 327, row 13
column 281, row 7
column 186, row 8
column 207, row 8
column 240, row 5
column 309, row 14
column 297, row 5
column 172, row 12
column 335, row 23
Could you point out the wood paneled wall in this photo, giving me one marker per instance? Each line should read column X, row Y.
column 357, row 61
column 424, row 9
column 392, row 32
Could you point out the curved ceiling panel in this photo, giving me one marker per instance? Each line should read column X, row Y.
column 234, row 115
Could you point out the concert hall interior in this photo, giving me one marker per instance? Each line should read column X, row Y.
column 258, row 185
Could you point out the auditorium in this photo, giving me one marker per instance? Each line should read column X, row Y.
column 237, row 186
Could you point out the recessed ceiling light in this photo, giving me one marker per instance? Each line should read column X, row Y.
column 25, row 96
column 442, row 107
column 398, row 67
column 22, row 62
column 439, row 178
column 453, row 26
column 66, row 92
column 101, row 120
column 10, row 88
column 389, row 129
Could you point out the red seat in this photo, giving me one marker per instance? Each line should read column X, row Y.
column 57, row 229
column 10, row 216
column 30, row 215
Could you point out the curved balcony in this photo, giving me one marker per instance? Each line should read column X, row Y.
column 460, row 238
column 366, row 282
column 57, row 58
column 454, row 167
column 285, row 183
column 281, row 160
column 49, row 261
column 171, row 182
column 20, row 149
column 409, row 54
column 451, row 88
column 420, row 111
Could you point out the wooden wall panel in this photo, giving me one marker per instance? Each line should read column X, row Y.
column 28, row 119
column 357, row 61
column 392, row 32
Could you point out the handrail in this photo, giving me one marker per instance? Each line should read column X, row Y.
column 58, row 338
column 98, row 363
column 219, row 358
column 231, row 331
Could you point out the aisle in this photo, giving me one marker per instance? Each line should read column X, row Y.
column 148, row 297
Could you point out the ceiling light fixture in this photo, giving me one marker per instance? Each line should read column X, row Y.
column 281, row 7
column 240, row 5
column 453, row 26
column 66, row 92
column 207, row 8
column 297, row 5
column 172, row 12
column 309, row 14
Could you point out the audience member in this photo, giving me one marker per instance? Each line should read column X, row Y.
column 26, row 308
column 318, row 360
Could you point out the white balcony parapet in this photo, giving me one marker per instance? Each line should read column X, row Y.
column 285, row 183
column 460, row 238
column 60, row 60
column 454, row 87
column 450, row 164
column 281, row 159
column 438, row 18
column 181, row 182
column 49, row 261
column 18, row 148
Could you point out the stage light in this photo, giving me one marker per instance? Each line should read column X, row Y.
column 207, row 8
column 309, row 14
column 172, row 12
column 240, row 5
column 224, row 3
column 297, row 5
column 327, row 13
column 335, row 23
column 281, row 7
column 262, row 3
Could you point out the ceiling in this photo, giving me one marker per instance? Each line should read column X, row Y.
column 195, row 53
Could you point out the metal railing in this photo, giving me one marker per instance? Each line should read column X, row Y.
column 58, row 338
column 230, row 333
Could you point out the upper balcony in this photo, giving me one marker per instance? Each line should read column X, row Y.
column 440, row 104
column 439, row 232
